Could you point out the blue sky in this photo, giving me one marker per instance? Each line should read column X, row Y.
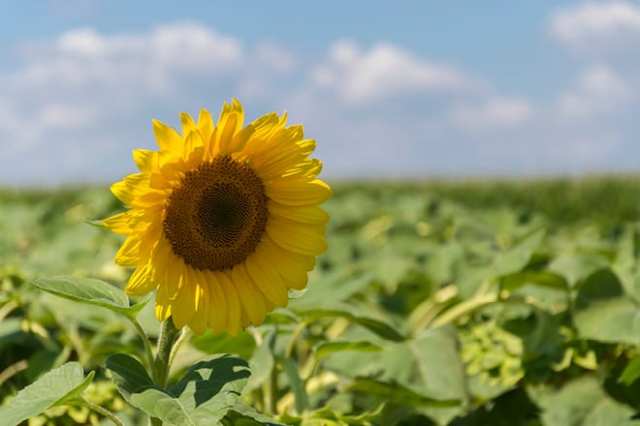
column 393, row 90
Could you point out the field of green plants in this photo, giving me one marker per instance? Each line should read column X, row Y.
column 444, row 303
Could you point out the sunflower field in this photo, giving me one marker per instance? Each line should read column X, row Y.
column 443, row 303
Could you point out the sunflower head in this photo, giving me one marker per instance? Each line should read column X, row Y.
column 223, row 219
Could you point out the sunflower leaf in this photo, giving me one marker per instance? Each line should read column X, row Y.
column 129, row 374
column 90, row 291
column 381, row 329
column 206, row 393
column 57, row 387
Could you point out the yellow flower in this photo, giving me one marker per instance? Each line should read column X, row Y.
column 223, row 220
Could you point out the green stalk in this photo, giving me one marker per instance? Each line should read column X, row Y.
column 108, row 414
column 169, row 334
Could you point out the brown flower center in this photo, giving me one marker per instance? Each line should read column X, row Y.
column 217, row 215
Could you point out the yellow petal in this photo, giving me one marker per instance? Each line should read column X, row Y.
column 192, row 141
column 141, row 281
column 184, row 306
column 118, row 223
column 304, row 214
column 252, row 299
column 188, row 125
column 217, row 302
column 298, row 192
column 166, row 137
column 205, row 124
column 267, row 279
column 296, row 237
column 163, row 306
column 292, row 267
column 199, row 321
column 127, row 255
column 145, row 159
column 233, row 303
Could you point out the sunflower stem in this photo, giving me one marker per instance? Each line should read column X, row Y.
column 169, row 334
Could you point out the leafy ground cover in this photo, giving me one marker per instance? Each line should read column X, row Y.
column 446, row 303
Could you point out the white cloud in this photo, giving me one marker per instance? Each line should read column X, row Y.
column 496, row 112
column 590, row 25
column 598, row 90
column 83, row 57
column 384, row 70
column 79, row 103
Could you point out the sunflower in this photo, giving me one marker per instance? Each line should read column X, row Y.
column 223, row 220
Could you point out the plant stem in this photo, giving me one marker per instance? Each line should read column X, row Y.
column 162, row 364
column 168, row 336
column 108, row 414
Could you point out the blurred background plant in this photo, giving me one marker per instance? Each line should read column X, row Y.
column 438, row 303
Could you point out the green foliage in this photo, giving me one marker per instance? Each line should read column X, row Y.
column 61, row 386
column 457, row 304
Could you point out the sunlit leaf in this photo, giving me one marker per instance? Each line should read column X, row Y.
column 57, row 387
column 90, row 291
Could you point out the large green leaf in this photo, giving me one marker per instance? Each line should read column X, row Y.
column 90, row 291
column 604, row 313
column 581, row 402
column 57, row 387
column 202, row 397
column 517, row 257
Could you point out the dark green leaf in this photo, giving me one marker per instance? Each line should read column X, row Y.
column 129, row 374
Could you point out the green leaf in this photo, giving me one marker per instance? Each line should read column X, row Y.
column 631, row 372
column 129, row 374
column 242, row 345
column 323, row 350
column 90, row 291
column 57, row 387
column 517, row 257
column 377, row 327
column 581, row 402
column 297, row 385
column 205, row 394
column 604, row 313
column 395, row 392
